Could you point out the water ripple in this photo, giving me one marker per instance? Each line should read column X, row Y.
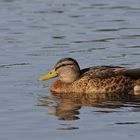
column 95, row 40
column 12, row 65
column 127, row 123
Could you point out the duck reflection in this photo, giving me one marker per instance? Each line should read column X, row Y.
column 64, row 109
column 69, row 108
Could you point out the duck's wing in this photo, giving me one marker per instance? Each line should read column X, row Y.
column 103, row 72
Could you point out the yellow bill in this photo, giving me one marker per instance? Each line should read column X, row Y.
column 48, row 76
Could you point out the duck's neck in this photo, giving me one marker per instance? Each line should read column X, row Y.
column 59, row 87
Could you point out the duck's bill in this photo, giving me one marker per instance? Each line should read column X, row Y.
column 48, row 76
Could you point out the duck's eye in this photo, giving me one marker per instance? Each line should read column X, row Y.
column 63, row 65
column 60, row 66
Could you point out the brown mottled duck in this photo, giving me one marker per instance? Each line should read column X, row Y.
column 94, row 81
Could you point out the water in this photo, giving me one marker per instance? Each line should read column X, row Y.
column 33, row 36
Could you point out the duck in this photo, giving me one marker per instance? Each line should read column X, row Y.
column 96, row 81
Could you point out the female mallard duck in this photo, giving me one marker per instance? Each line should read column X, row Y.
column 98, row 80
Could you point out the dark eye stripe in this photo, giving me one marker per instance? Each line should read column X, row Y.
column 63, row 65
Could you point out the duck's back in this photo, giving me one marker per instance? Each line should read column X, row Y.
column 102, row 72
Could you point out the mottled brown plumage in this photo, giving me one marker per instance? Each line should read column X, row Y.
column 94, row 82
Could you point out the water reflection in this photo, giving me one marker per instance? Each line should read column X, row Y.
column 64, row 109
column 69, row 108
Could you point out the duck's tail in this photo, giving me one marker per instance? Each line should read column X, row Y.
column 133, row 73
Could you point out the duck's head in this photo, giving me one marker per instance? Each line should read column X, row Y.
column 67, row 69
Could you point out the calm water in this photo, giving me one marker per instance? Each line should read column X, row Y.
column 34, row 34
